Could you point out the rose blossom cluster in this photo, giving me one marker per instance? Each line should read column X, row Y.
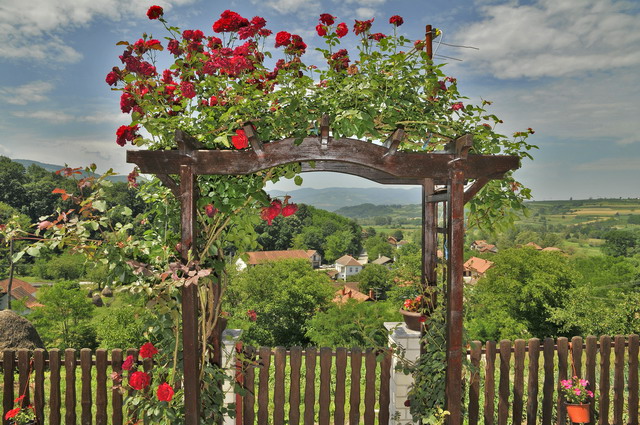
column 326, row 26
column 139, row 380
column 277, row 208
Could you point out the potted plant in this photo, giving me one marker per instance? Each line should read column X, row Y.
column 21, row 414
column 577, row 398
column 414, row 312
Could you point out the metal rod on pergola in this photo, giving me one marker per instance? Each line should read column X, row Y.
column 382, row 164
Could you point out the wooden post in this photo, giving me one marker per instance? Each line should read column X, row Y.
column 455, row 292
column 429, row 236
column 190, row 345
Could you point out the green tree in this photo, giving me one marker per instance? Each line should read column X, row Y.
column 374, row 277
column 619, row 243
column 121, row 324
column 12, row 180
column 398, row 234
column 634, row 219
column 353, row 324
column 64, row 319
column 338, row 244
column 517, row 295
column 284, row 295
column 66, row 266
column 377, row 246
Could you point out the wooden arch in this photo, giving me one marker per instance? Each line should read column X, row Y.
column 383, row 164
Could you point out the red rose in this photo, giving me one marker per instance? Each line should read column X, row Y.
column 277, row 206
column 128, row 363
column 164, row 392
column 213, row 101
column 147, row 350
column 340, row 60
column 362, row 26
column 321, row 30
column 174, row 47
column 377, row 36
column 112, row 78
column 283, row 38
column 327, row 19
column 126, row 133
column 240, row 140
column 422, row 319
column 271, row 212
column 253, row 316
column 210, row 210
column 289, row 210
column 342, row 30
column 396, row 20
column 407, row 403
column 457, row 106
column 155, row 12
column 139, row 380
column 297, row 46
column 188, row 89
column 229, row 22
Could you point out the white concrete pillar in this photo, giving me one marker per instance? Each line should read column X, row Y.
column 229, row 339
column 403, row 337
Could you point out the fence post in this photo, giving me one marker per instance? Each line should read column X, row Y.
column 229, row 339
column 409, row 340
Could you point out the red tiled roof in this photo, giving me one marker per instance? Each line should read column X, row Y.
column 552, row 249
column 478, row 264
column 17, row 283
column 345, row 293
column 258, row 257
column 347, row 260
column 534, row 245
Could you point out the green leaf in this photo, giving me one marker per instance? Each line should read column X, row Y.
column 100, row 205
column 17, row 256
column 297, row 180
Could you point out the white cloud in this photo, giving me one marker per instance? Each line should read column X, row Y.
column 291, row 6
column 27, row 93
column 365, row 12
column 609, row 164
column 553, row 38
column 54, row 117
column 32, row 31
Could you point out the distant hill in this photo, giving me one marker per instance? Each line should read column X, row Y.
column 53, row 168
column 334, row 198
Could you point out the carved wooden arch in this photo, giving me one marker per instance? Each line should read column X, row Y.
column 383, row 164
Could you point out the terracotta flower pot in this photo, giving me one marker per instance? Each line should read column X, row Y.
column 412, row 319
column 579, row 413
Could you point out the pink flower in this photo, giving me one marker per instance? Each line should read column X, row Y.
column 155, row 12
column 240, row 140
column 128, row 363
column 43, row 225
column 584, row 382
column 396, row 20
column 327, row 19
column 577, row 391
column 147, row 350
column 342, row 30
column 457, row 106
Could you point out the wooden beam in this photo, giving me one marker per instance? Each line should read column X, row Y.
column 324, row 131
column 255, row 142
column 463, row 145
column 186, row 143
column 410, row 165
column 455, row 241
column 170, row 183
column 394, row 140
column 190, row 339
column 357, row 170
column 475, row 187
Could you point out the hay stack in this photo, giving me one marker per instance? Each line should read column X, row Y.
column 107, row 292
column 97, row 300
column 17, row 332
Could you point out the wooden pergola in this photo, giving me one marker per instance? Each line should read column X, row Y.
column 449, row 179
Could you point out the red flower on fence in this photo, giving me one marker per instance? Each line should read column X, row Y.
column 139, row 380
column 128, row 363
column 148, row 350
column 164, row 392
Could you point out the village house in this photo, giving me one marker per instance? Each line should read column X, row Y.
column 259, row 257
column 483, row 246
column 349, row 291
column 20, row 290
column 347, row 266
column 383, row 261
column 534, row 245
column 475, row 268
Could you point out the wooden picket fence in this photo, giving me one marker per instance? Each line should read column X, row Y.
column 507, row 383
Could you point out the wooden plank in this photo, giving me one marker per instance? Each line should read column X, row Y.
column 563, row 355
column 55, row 402
column 8, row 367
column 518, row 380
column 116, row 395
column 263, row 388
column 401, row 164
column 369, row 386
column 354, row 393
column 279, row 360
column 310, row 386
column 474, row 382
column 618, row 381
column 503, row 388
column 86, row 359
column 70, row 363
column 532, row 381
column 603, row 390
column 38, row 391
column 295, row 360
column 384, row 398
column 576, row 356
column 101, row 387
column 489, row 382
column 341, row 378
column 633, row 379
column 249, row 399
column 325, row 386
column 590, row 366
column 23, row 376
column 549, row 381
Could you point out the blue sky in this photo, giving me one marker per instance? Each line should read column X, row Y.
column 569, row 69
